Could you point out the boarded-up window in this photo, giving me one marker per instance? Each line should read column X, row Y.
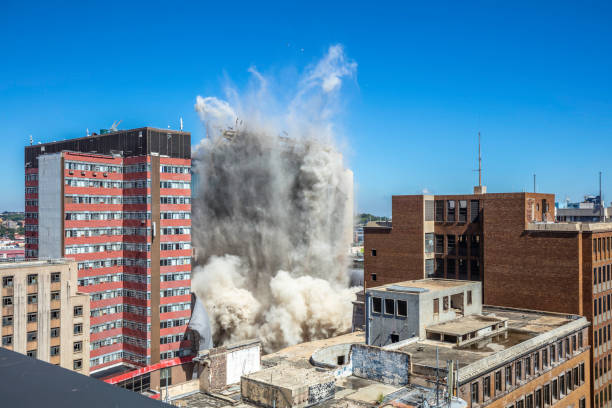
column 436, row 306
column 429, row 210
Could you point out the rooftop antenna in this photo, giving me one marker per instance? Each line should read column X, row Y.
column 479, row 189
column 534, row 182
column 87, row 131
column 181, row 120
column 601, row 212
column 31, row 140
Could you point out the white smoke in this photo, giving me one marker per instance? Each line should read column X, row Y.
column 272, row 210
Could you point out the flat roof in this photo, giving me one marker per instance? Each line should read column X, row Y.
column 22, row 263
column 29, row 382
column 525, row 328
column 465, row 325
column 569, row 227
column 432, row 284
column 288, row 376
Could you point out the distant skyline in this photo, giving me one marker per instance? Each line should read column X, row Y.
column 535, row 79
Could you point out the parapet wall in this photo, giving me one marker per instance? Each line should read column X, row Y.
column 386, row 366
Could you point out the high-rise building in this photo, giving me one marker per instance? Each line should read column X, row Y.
column 512, row 244
column 119, row 203
column 43, row 315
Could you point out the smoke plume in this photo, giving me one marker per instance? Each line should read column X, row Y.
column 273, row 208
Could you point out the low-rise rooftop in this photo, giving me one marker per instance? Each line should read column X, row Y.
column 421, row 285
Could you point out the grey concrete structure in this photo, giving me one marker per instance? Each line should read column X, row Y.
column 401, row 311
column 50, row 210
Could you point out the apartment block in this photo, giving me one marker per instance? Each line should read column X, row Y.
column 119, row 203
column 43, row 314
column 512, row 244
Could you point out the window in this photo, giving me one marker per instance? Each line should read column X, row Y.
column 373, row 276
column 77, row 364
column 32, row 299
column 32, row 317
column 545, row 357
column 517, row 371
column 581, row 373
column 538, row 398
column 429, row 267
column 474, row 392
column 555, row 390
column 165, row 377
column 536, row 362
column 527, row 366
column 32, row 279
column 373, row 252
column 529, row 401
column 77, row 346
column 55, row 295
column 498, row 383
column 7, row 340
column 580, row 339
column 469, row 297
column 429, row 242
column 547, row 394
column 78, row 310
column 7, row 301
column 474, row 210
column 394, row 338
column 55, row 350
column 78, row 328
column 561, row 385
column 520, row 404
column 436, row 306
column 582, row 403
column 439, row 207
column 552, row 353
column 389, row 306
column 376, row 305
column 7, row 321
column 31, row 353
column 55, row 332
column 445, row 303
column 55, row 277
column 32, row 336
column 486, row 387
column 55, row 314
column 508, row 375
column 450, row 211
column 7, row 281
column 439, row 244
column 450, row 244
column 402, row 308
column 462, row 210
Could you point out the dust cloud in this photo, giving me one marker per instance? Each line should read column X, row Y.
column 273, row 209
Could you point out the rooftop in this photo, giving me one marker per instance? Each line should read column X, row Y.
column 423, row 285
column 22, row 263
column 525, row 330
column 288, row 376
column 465, row 325
column 569, row 226
column 28, row 382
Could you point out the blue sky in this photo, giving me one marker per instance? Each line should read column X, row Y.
column 535, row 79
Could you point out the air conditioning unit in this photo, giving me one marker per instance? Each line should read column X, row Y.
column 95, row 174
column 82, row 173
column 70, row 172
column 105, row 174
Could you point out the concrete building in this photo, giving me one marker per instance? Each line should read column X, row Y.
column 43, row 314
column 504, row 357
column 511, row 243
column 404, row 310
column 119, row 203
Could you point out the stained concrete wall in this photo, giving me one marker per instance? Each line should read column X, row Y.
column 50, row 216
column 241, row 362
column 386, row 366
